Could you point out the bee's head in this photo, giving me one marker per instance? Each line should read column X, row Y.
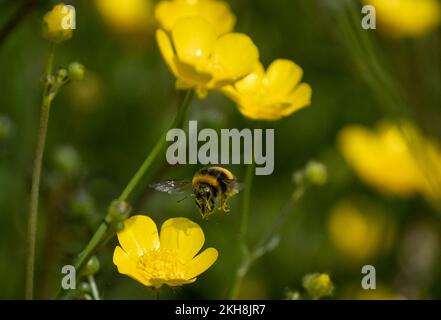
column 204, row 199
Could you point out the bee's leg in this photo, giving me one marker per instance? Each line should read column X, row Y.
column 210, row 205
column 224, row 205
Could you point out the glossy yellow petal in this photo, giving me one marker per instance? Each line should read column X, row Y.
column 194, row 40
column 182, row 236
column 235, row 56
column 201, row 263
column 138, row 236
column 299, row 99
column 166, row 48
column 189, row 76
column 217, row 13
column 127, row 265
column 283, row 76
column 251, row 83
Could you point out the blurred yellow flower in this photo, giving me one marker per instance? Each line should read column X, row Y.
column 383, row 159
column 407, row 18
column 170, row 258
column 318, row 285
column 202, row 60
column 127, row 16
column 380, row 293
column 216, row 12
column 273, row 94
column 58, row 23
column 359, row 231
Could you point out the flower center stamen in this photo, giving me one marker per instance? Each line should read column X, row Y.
column 160, row 264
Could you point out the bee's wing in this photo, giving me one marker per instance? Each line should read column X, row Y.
column 172, row 186
column 234, row 185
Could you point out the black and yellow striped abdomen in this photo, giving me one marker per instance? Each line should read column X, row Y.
column 217, row 177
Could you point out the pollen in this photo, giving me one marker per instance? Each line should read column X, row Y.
column 160, row 264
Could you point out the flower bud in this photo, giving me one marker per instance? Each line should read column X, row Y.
column 6, row 128
column 318, row 285
column 67, row 161
column 316, row 173
column 292, row 295
column 118, row 211
column 61, row 76
column 76, row 71
column 58, row 23
column 92, row 267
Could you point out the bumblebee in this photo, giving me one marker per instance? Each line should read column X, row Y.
column 206, row 186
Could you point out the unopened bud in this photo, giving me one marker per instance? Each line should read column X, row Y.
column 6, row 128
column 118, row 211
column 318, row 285
column 316, row 173
column 76, row 71
column 67, row 161
column 58, row 23
column 92, row 267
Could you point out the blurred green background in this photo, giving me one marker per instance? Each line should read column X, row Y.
column 102, row 128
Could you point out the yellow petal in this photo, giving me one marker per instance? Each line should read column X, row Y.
column 166, row 48
column 127, row 266
column 234, row 57
column 189, row 76
column 251, row 83
column 283, row 75
column 182, row 236
column 194, row 39
column 217, row 13
column 201, row 262
column 300, row 98
column 177, row 283
column 138, row 236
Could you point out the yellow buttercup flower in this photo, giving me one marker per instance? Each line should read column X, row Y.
column 58, row 23
column 384, row 159
column 273, row 94
column 217, row 13
column 381, row 158
column 359, row 231
column 407, row 18
column 127, row 16
column 170, row 258
column 202, row 60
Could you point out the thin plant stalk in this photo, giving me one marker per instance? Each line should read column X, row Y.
column 266, row 242
column 93, row 288
column 104, row 233
column 237, row 281
column 36, row 175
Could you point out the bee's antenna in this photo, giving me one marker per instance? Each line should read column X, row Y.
column 183, row 199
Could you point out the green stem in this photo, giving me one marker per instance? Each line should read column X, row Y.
column 263, row 245
column 93, row 288
column 139, row 175
column 36, row 175
column 238, row 277
column 103, row 233
column 246, row 202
